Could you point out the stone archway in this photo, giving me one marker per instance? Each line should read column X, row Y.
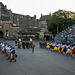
column 1, row 34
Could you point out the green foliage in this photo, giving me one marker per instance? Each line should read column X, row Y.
column 61, row 19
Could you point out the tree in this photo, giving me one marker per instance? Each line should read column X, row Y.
column 61, row 19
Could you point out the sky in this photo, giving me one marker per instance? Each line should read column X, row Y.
column 38, row 7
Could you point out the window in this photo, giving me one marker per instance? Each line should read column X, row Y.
column 21, row 16
column 14, row 24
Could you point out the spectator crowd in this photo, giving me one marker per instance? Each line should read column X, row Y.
column 67, row 35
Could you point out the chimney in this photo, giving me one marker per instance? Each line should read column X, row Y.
column 5, row 6
column 41, row 15
column 35, row 16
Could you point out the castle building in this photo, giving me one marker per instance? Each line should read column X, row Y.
column 7, row 30
column 42, row 24
column 13, row 25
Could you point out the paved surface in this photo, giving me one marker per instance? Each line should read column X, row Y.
column 41, row 62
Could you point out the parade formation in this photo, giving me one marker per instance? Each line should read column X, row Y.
column 11, row 55
column 58, row 47
column 8, row 50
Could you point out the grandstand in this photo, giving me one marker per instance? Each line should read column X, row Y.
column 67, row 35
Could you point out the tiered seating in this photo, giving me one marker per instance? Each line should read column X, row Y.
column 67, row 35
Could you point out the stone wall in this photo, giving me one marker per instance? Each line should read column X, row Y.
column 13, row 23
column 5, row 14
column 9, row 29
